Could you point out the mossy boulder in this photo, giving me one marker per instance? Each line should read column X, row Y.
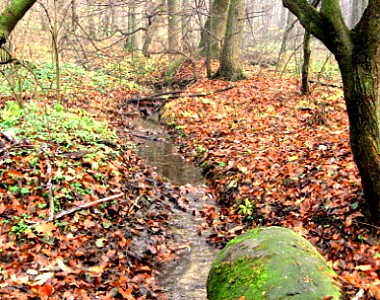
column 270, row 263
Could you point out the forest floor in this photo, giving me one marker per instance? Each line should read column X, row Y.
column 270, row 156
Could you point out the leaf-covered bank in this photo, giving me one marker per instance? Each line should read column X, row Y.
column 82, row 216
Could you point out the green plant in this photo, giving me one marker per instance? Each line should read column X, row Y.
column 21, row 228
column 66, row 193
column 78, row 187
column 201, row 149
column 24, row 191
column 41, row 205
column 61, row 224
column 246, row 209
column 13, row 189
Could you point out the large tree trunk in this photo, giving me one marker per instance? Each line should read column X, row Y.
column 357, row 53
column 215, row 28
column 11, row 15
column 361, row 73
column 364, row 114
column 361, row 90
column 230, row 68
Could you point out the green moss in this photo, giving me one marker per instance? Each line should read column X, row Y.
column 270, row 263
column 239, row 272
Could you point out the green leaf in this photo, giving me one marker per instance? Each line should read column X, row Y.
column 107, row 225
column 13, row 189
column 354, row 205
column 24, row 191
column 100, row 242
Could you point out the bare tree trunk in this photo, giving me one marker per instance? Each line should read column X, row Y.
column 91, row 21
column 214, row 31
column 290, row 23
column 306, row 58
column 185, row 26
column 230, row 67
column 151, row 26
column 174, row 29
column 134, row 39
column 74, row 15
column 306, row 63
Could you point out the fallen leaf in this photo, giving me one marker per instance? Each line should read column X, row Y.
column 41, row 279
column 46, row 228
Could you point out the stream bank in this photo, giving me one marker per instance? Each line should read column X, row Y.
column 185, row 276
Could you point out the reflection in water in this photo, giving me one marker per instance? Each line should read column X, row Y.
column 160, row 155
column 185, row 277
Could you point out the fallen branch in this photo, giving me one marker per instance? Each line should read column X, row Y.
column 326, row 84
column 176, row 95
column 149, row 138
column 86, row 205
column 155, row 96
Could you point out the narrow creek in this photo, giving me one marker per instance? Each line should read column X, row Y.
column 186, row 276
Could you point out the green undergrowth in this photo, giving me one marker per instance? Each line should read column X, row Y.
column 51, row 153
column 41, row 77
column 52, row 123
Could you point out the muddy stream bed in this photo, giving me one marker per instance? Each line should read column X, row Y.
column 184, row 277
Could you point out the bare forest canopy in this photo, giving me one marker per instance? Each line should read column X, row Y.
column 80, row 28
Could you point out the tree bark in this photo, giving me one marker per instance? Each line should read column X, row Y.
column 305, row 90
column 230, row 68
column 214, row 31
column 174, row 29
column 11, row 15
column 357, row 53
column 306, row 64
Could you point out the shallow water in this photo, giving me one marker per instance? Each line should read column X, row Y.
column 186, row 276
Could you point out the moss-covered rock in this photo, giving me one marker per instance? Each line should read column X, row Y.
column 270, row 263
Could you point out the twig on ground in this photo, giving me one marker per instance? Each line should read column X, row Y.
column 366, row 224
column 177, row 94
column 86, row 205
column 135, row 203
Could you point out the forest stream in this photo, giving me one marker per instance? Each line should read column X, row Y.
column 184, row 277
